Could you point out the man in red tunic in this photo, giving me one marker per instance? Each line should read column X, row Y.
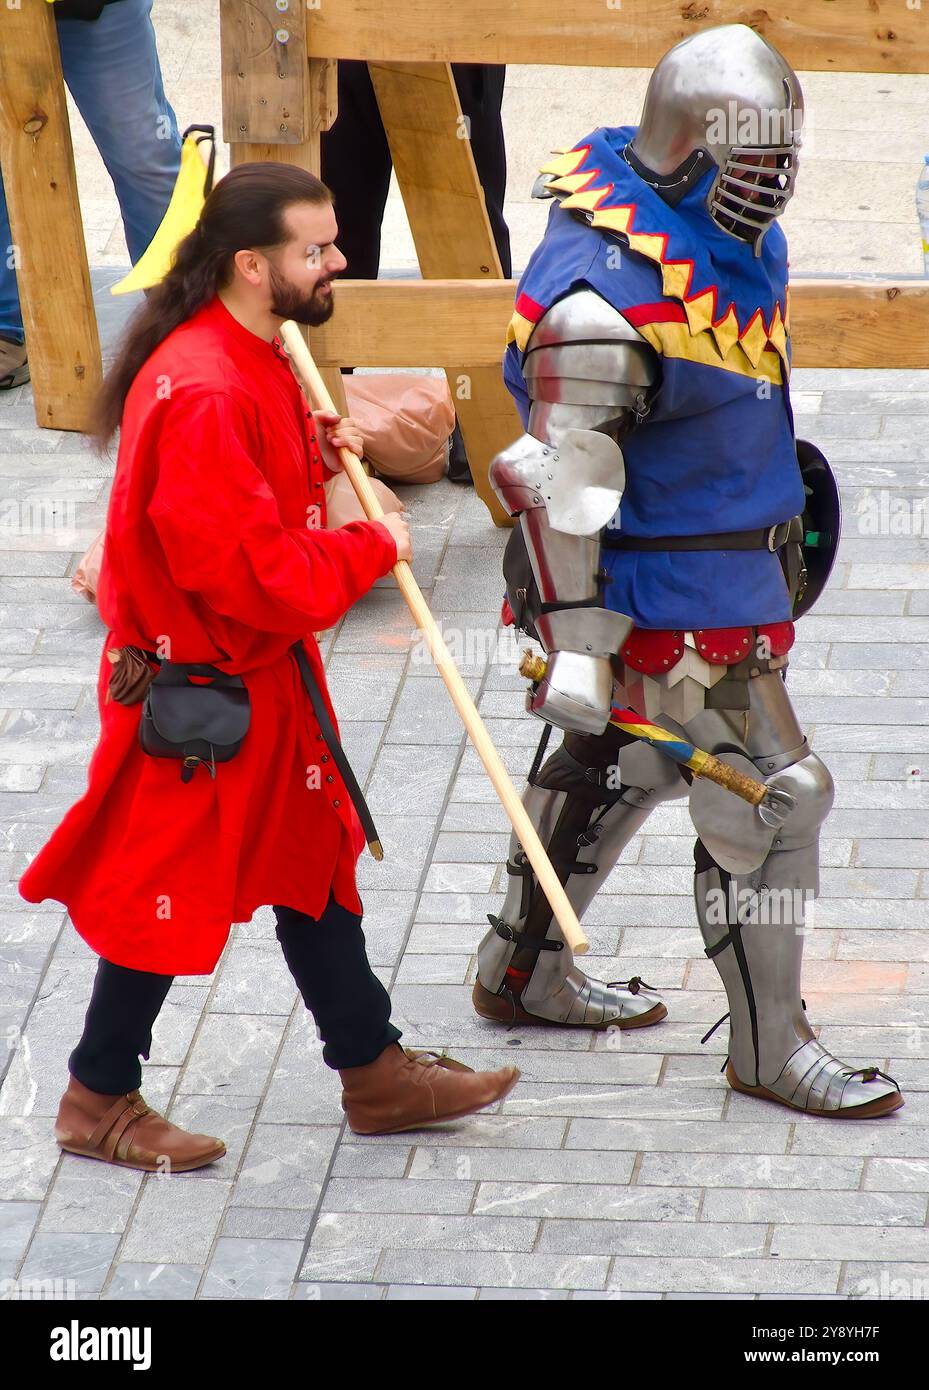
column 216, row 552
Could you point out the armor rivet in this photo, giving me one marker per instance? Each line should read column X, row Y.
column 770, row 764
column 554, row 458
column 677, row 651
column 589, row 647
column 665, row 662
column 744, row 641
column 716, row 654
column 703, row 646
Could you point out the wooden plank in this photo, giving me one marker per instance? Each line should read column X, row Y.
column 319, row 109
column 435, row 169
column 814, row 35
column 868, row 323
column 45, row 222
column 417, row 323
column 265, row 78
column 305, row 156
column 324, row 93
column 431, row 151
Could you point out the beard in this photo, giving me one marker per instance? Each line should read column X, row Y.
column 289, row 302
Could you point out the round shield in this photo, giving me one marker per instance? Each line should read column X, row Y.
column 822, row 524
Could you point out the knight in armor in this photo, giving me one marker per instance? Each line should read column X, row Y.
column 670, row 528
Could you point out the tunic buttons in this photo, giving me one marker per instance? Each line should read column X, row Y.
column 324, row 758
column 329, row 777
column 337, row 802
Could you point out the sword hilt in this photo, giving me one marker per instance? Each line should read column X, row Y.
column 748, row 788
column 532, row 666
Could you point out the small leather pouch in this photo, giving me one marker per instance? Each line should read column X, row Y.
column 130, row 677
column 199, row 720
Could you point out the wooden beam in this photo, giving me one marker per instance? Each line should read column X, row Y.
column 324, row 93
column 265, row 78
column 431, row 150
column 45, row 222
column 814, row 35
column 417, row 323
column 867, row 323
column 275, row 100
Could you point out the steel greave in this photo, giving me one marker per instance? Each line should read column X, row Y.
column 764, row 916
column 557, row 990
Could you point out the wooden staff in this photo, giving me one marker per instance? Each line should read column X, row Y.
column 315, row 390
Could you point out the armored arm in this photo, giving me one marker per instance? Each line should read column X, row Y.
column 588, row 374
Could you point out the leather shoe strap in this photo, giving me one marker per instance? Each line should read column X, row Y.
column 108, row 1131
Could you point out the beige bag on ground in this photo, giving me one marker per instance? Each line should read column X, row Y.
column 406, row 420
column 342, row 503
column 342, row 506
column 87, row 575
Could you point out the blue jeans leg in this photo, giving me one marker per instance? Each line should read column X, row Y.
column 112, row 71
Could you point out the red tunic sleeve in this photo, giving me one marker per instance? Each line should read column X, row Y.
column 220, row 527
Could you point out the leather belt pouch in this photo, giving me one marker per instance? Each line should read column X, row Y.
column 130, row 675
column 196, row 723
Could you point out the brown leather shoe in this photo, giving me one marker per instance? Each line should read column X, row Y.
column 404, row 1089
column 126, row 1131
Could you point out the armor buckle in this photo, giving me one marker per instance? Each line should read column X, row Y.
column 777, row 535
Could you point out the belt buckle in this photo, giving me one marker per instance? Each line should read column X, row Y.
column 773, row 542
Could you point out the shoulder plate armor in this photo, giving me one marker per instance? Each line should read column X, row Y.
column 583, row 352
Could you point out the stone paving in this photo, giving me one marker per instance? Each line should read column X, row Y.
column 624, row 1170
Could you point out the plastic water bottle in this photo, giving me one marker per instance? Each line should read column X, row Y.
column 922, row 209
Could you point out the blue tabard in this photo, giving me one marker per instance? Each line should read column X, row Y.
column 716, row 451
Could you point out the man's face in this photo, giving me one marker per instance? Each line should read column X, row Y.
column 301, row 271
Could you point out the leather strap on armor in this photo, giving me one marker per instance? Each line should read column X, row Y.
column 508, row 934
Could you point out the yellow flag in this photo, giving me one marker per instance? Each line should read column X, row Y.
column 182, row 215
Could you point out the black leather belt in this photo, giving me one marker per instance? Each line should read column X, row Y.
column 331, row 740
column 766, row 538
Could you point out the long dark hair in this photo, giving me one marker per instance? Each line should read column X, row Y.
column 245, row 209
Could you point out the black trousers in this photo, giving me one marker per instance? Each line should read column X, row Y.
column 328, row 961
column 356, row 162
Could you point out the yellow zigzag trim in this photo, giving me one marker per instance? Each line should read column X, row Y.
column 675, row 275
column 676, row 340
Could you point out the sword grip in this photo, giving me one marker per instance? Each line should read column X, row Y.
column 729, row 777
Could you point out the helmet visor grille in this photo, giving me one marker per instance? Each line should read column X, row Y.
column 754, row 187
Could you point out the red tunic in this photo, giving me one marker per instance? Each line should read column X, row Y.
column 214, row 542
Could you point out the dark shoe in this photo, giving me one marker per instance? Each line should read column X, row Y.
column 404, row 1090
column 459, row 470
column 14, row 367
column 125, row 1131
